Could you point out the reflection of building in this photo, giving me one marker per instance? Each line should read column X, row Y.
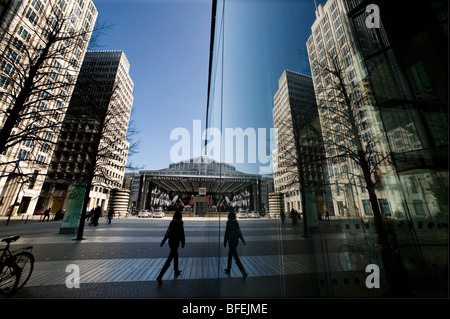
column 267, row 187
column 276, row 201
column 21, row 38
column 97, row 118
column 224, row 185
column 401, row 70
column 299, row 148
column 333, row 45
column 408, row 62
column 403, row 120
column 276, row 204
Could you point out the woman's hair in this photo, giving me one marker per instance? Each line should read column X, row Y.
column 177, row 215
column 231, row 216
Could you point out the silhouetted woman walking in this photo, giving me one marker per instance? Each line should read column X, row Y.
column 232, row 236
column 175, row 234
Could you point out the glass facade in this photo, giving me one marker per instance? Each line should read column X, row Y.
column 384, row 123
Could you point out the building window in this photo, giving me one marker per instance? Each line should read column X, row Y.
column 23, row 154
column 419, row 208
column 340, row 208
column 367, row 207
column 413, row 185
column 33, row 180
column 32, row 16
column 384, row 206
column 361, row 181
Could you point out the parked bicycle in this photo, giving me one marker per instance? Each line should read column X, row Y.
column 15, row 267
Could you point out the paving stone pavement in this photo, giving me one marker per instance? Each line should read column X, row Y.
column 122, row 261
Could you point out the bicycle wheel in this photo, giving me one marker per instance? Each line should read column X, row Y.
column 25, row 261
column 9, row 278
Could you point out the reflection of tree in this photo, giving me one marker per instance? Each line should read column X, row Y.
column 351, row 136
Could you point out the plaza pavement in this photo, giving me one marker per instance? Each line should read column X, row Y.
column 122, row 261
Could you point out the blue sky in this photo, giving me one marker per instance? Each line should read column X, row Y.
column 167, row 44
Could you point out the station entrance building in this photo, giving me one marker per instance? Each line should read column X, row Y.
column 201, row 185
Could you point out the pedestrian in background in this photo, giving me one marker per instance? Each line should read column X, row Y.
column 95, row 218
column 283, row 216
column 46, row 215
column 59, row 214
column 175, row 234
column 110, row 216
column 90, row 214
column 232, row 235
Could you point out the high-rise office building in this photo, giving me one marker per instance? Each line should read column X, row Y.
column 333, row 47
column 31, row 51
column 408, row 61
column 299, row 147
column 93, row 141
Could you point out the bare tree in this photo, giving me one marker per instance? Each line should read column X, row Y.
column 41, row 46
column 39, row 67
column 108, row 148
column 349, row 124
column 134, row 143
column 93, row 142
column 351, row 132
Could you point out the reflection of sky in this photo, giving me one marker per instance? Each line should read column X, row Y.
column 167, row 44
column 262, row 39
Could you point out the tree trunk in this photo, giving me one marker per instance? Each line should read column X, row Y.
column 91, row 174
column 390, row 254
column 305, row 216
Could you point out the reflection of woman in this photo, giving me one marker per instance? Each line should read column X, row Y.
column 232, row 236
column 294, row 217
column 175, row 234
